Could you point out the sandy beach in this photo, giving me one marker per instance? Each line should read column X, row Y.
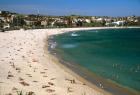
column 26, row 66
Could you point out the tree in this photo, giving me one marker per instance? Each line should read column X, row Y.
column 18, row 21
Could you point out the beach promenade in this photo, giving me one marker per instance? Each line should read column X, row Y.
column 26, row 66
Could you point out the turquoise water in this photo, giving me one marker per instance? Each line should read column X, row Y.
column 113, row 54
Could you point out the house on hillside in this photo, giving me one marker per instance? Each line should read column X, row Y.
column 119, row 23
column 44, row 23
column 87, row 20
column 30, row 22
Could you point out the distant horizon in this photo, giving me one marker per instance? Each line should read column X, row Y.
column 111, row 8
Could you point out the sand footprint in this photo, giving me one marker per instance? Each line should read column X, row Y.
column 29, row 75
column 45, row 86
column 12, row 64
column 30, row 93
column 35, row 81
column 9, row 75
column 9, row 94
column 42, row 72
column 2, row 60
column 50, row 83
column 69, row 89
column 24, row 83
column 14, row 89
column 34, row 60
column 18, row 69
column 71, row 80
column 52, row 78
column 45, row 69
column 45, row 76
column 50, row 90
column 21, row 79
column 35, row 69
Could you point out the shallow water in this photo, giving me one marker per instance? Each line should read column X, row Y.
column 113, row 54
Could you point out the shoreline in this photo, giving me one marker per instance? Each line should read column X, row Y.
column 69, row 70
column 117, row 88
column 108, row 87
column 26, row 68
column 65, row 30
column 24, row 65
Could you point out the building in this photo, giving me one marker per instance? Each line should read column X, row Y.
column 87, row 20
column 44, row 23
column 119, row 23
column 30, row 22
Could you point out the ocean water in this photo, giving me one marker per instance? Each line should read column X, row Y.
column 113, row 54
